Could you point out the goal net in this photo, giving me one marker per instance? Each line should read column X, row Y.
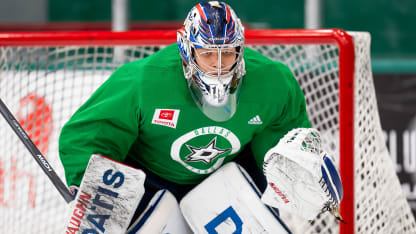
column 45, row 77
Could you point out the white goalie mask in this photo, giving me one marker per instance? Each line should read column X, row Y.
column 211, row 45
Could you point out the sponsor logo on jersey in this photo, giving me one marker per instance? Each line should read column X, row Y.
column 204, row 150
column 255, row 120
column 166, row 117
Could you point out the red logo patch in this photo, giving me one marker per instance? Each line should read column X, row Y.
column 166, row 114
column 166, row 117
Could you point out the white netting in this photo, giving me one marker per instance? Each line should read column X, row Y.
column 380, row 206
column 316, row 69
column 43, row 86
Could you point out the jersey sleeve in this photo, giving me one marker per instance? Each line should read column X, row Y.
column 291, row 114
column 106, row 124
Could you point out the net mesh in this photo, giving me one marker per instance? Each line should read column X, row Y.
column 43, row 86
column 380, row 206
column 317, row 70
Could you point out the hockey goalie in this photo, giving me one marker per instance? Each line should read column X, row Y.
column 301, row 180
column 193, row 135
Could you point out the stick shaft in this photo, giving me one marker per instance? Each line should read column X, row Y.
column 36, row 154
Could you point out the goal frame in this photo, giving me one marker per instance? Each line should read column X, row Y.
column 264, row 37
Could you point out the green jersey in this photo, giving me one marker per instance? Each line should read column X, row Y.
column 145, row 111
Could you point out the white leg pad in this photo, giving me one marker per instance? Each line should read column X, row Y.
column 229, row 202
column 162, row 215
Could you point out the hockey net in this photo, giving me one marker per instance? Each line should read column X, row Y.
column 45, row 77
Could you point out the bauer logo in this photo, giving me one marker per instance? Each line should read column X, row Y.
column 279, row 192
column 166, row 117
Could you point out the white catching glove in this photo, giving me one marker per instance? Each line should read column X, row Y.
column 301, row 178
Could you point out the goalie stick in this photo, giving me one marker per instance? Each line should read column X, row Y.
column 36, row 154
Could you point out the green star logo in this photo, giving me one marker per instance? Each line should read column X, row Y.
column 206, row 153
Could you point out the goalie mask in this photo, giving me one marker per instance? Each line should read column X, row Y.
column 211, row 45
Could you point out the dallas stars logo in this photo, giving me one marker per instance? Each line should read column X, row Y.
column 206, row 153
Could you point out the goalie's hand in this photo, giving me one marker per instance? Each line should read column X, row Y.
column 301, row 177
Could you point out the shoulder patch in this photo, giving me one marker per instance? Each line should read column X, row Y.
column 166, row 117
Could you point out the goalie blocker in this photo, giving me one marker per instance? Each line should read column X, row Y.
column 107, row 197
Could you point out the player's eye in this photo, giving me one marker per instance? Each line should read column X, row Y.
column 228, row 53
column 207, row 53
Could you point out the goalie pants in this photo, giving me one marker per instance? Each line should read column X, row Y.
column 154, row 183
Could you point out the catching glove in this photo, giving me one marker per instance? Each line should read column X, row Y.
column 301, row 178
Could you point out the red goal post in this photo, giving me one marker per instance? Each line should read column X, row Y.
column 336, row 61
